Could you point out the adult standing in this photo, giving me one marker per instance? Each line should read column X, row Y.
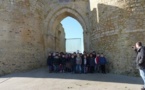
column 73, row 63
column 103, row 62
column 97, row 63
column 50, row 62
column 92, row 63
column 56, row 62
column 78, row 63
column 140, row 60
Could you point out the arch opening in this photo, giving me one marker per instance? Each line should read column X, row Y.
column 73, row 35
column 59, row 15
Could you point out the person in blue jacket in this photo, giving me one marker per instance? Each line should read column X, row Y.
column 103, row 62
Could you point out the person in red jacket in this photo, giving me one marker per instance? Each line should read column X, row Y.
column 97, row 65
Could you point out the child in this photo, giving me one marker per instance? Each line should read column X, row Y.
column 103, row 63
column 73, row 63
column 78, row 63
column 50, row 62
column 56, row 63
column 97, row 65
column 85, row 61
column 92, row 63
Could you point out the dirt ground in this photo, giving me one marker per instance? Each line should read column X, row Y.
column 40, row 79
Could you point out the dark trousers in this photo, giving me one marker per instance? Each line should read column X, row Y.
column 62, row 68
column 103, row 69
column 56, row 68
column 50, row 67
column 91, row 69
column 73, row 68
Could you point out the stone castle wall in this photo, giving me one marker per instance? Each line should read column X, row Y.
column 60, row 39
column 119, row 24
column 29, row 29
column 60, row 9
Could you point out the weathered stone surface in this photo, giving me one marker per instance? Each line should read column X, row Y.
column 120, row 24
column 29, row 29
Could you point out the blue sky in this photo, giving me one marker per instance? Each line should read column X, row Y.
column 73, row 29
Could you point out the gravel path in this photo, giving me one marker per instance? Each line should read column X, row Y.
column 40, row 79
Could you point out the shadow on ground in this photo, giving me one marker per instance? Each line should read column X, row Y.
column 43, row 73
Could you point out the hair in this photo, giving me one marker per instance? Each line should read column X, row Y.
column 139, row 43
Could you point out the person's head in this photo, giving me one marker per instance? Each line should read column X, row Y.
column 72, row 56
column 98, row 54
column 91, row 55
column 66, row 55
column 102, row 55
column 78, row 55
column 59, row 54
column 49, row 54
column 85, row 56
column 138, row 45
column 63, row 55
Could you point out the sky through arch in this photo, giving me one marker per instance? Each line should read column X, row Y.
column 73, row 31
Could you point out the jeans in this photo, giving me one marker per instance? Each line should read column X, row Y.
column 85, row 69
column 142, row 74
column 97, row 68
column 56, row 68
column 78, row 68
column 73, row 69
column 50, row 67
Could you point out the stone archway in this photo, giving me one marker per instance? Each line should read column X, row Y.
column 59, row 14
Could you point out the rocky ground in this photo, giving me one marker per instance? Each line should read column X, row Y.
column 40, row 79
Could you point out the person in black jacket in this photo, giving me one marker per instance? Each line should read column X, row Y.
column 73, row 63
column 140, row 60
column 56, row 63
column 82, row 66
column 62, row 63
column 50, row 62
column 92, row 63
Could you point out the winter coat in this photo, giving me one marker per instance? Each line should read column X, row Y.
column 73, row 61
column 97, row 60
column 56, row 60
column 92, row 61
column 102, row 61
column 50, row 60
column 78, row 60
column 140, row 58
column 62, row 60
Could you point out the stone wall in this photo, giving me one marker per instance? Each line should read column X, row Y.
column 21, row 36
column 60, row 9
column 60, row 39
column 120, row 23
column 28, row 31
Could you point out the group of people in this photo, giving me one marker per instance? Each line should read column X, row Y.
column 90, row 62
column 76, row 62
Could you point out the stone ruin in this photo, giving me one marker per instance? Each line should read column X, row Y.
column 29, row 29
